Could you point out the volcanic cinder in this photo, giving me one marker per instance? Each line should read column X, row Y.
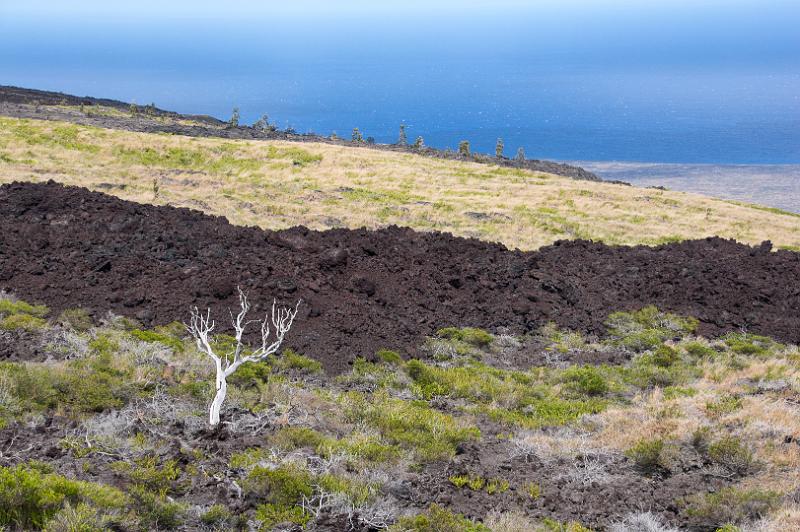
column 366, row 290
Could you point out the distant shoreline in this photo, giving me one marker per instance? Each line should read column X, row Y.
column 19, row 102
column 776, row 185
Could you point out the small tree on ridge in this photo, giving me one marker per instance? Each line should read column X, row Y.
column 403, row 138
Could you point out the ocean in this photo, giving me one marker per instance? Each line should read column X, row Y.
column 669, row 83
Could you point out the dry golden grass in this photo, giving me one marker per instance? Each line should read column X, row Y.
column 281, row 184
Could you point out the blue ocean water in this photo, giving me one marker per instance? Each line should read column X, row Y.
column 609, row 80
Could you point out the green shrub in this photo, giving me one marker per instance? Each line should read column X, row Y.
column 750, row 344
column 647, row 328
column 469, row 335
column 11, row 308
column 84, row 518
column 700, row 351
column 270, row 515
column 358, row 446
column 154, row 337
column 415, row 426
column 151, row 474
column 91, row 384
column 290, row 360
column 437, row 519
column 723, row 405
column 390, row 357
column 216, row 516
column 356, row 491
column 251, row 374
column 30, row 497
column 733, row 455
column 77, row 319
column 291, row 438
column 665, row 356
column 22, row 322
column 587, row 380
column 730, row 506
column 156, row 511
column 283, row 486
column 647, row 454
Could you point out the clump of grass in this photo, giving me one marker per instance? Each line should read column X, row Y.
column 22, row 322
column 217, row 516
column 647, row 454
column 9, row 307
column 750, row 344
column 586, row 380
column 77, row 319
column 730, row 505
column 150, row 473
column 437, row 519
column 429, row 434
column 469, row 335
column 730, row 453
column 647, row 328
column 31, row 494
column 289, row 360
column 17, row 315
column 364, row 447
column 723, row 405
column 158, row 337
column 92, row 384
column 511, row 397
column 389, row 357
column 533, row 490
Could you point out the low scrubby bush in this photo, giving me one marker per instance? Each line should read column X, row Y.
column 647, row 328
column 586, row 380
column 9, row 307
column 750, row 344
column 437, row 519
column 730, row 506
column 730, row 453
column 430, row 434
column 723, row 405
column 31, row 495
column 647, row 454
column 469, row 335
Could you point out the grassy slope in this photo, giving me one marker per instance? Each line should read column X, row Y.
column 280, row 184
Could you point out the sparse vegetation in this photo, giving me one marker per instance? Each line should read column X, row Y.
column 320, row 446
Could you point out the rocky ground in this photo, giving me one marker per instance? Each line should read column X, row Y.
column 433, row 383
column 363, row 291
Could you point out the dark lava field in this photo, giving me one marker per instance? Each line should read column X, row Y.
column 363, row 290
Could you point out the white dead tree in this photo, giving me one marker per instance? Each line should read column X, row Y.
column 201, row 326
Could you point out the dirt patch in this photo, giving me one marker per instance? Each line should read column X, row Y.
column 367, row 290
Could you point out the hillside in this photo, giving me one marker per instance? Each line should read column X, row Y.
column 479, row 366
column 280, row 184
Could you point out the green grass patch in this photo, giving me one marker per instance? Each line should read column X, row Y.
column 412, row 425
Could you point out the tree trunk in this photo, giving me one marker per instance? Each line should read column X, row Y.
column 216, row 404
